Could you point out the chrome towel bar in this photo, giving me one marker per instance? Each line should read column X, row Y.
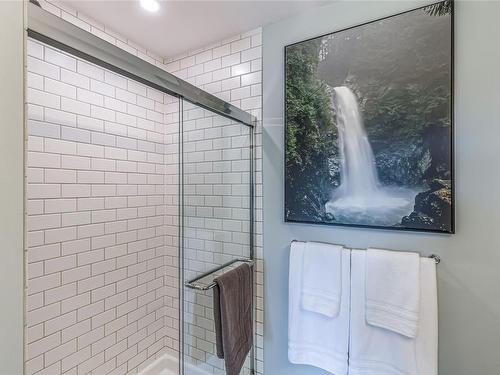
column 205, row 281
column 436, row 258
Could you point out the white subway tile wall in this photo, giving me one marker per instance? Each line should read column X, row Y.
column 229, row 69
column 102, row 290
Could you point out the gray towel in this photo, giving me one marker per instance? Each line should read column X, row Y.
column 233, row 317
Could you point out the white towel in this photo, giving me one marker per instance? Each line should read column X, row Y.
column 393, row 290
column 322, row 279
column 314, row 339
column 378, row 351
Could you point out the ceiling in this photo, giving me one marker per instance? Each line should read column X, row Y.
column 184, row 25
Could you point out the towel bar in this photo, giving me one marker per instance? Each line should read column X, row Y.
column 198, row 283
column 436, row 258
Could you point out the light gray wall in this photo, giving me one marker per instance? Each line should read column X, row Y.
column 11, row 187
column 469, row 275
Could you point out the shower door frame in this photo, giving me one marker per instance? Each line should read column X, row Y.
column 56, row 32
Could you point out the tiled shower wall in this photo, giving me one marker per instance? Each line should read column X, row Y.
column 216, row 181
column 216, row 218
column 230, row 69
column 98, row 233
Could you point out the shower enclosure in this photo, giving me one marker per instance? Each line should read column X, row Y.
column 139, row 190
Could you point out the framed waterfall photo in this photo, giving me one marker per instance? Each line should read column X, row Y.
column 369, row 124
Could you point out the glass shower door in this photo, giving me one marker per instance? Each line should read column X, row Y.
column 101, row 218
column 216, row 228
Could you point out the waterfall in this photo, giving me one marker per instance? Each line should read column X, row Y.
column 358, row 170
column 360, row 198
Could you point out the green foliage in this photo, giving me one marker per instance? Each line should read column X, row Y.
column 310, row 130
column 403, row 114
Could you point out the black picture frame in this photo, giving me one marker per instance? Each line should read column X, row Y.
column 451, row 228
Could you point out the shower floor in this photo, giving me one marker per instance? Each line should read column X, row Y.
column 169, row 365
column 165, row 365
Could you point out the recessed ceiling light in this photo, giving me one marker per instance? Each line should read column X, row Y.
column 151, row 5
